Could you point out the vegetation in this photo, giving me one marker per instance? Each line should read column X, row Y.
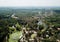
column 29, row 25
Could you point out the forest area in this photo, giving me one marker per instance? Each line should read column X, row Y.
column 29, row 25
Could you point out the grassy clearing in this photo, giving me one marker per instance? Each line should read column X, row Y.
column 33, row 35
column 15, row 36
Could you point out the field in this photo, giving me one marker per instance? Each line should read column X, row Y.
column 14, row 37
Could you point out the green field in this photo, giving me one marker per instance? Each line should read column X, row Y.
column 15, row 36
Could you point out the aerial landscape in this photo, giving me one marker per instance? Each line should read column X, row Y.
column 28, row 23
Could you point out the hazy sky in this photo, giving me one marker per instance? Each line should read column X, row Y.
column 29, row 3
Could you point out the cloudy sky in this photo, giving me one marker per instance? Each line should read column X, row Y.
column 37, row 3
